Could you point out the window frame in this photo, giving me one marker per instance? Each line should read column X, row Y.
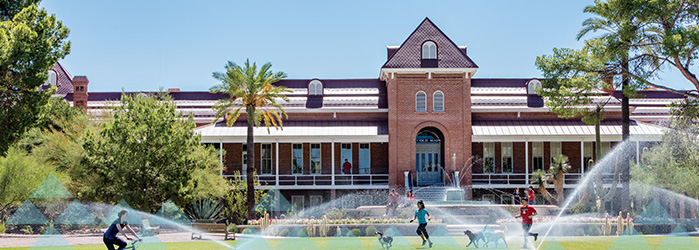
column 424, row 102
column 430, row 49
column 434, row 101
column 503, row 156
column 342, row 157
column 315, row 87
column 554, row 151
column 319, row 169
column 265, row 159
column 311, row 197
column 55, row 78
column 298, row 197
column 488, row 160
column 294, row 159
column 535, row 156
column 368, row 159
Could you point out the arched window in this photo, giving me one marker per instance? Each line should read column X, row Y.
column 438, row 101
column 421, row 102
column 530, row 86
column 315, row 88
column 429, row 50
column 53, row 78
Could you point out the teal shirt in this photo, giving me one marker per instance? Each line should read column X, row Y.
column 421, row 215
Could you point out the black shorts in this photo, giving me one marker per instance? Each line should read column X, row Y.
column 526, row 228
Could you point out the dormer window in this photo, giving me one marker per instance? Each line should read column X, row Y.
column 429, row 50
column 53, row 78
column 531, row 90
column 315, row 87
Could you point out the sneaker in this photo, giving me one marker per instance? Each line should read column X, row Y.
column 536, row 236
column 430, row 244
column 524, row 246
column 423, row 242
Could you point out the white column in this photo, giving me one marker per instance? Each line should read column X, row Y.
column 276, row 177
column 220, row 157
column 582, row 157
column 638, row 154
column 526, row 161
column 332, row 155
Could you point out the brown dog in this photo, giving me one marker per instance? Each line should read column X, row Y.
column 486, row 236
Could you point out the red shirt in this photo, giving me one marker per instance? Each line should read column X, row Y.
column 347, row 167
column 531, row 195
column 525, row 212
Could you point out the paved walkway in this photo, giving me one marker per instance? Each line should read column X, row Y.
column 23, row 240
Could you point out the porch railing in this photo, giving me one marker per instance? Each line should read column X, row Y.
column 519, row 179
column 321, row 179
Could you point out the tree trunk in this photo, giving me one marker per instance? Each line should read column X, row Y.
column 625, row 133
column 250, row 176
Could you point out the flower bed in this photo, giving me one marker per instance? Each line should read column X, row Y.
column 337, row 221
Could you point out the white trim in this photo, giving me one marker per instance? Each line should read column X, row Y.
column 220, row 156
column 332, row 163
column 385, row 71
column 325, row 187
column 523, row 108
column 582, row 156
column 296, row 139
column 638, row 154
column 561, row 138
column 416, row 101
column 276, row 153
column 526, row 161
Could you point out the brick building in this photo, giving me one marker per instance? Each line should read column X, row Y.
column 425, row 122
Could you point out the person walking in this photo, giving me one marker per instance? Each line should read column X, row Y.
column 531, row 195
column 527, row 214
column 422, row 222
column 516, row 198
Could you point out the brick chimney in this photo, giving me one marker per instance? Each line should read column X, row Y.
column 80, row 92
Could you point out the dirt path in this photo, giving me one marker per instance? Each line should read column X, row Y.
column 23, row 240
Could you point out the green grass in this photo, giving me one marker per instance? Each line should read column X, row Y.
column 568, row 243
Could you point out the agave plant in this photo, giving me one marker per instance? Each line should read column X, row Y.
column 205, row 210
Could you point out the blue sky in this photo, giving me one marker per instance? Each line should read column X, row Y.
column 146, row 45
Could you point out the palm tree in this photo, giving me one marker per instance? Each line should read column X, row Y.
column 622, row 31
column 539, row 177
column 253, row 91
column 559, row 167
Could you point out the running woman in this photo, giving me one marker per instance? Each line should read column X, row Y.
column 420, row 216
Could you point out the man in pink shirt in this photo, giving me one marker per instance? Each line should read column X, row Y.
column 392, row 202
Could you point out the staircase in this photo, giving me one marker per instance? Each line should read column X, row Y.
column 430, row 194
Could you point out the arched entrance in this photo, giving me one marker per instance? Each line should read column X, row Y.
column 429, row 157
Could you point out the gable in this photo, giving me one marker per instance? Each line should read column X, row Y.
column 409, row 54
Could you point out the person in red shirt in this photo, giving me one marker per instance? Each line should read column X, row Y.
column 347, row 167
column 527, row 213
column 530, row 195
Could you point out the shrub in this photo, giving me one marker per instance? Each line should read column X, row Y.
column 354, row 232
column 335, row 214
column 204, row 211
column 284, row 232
column 232, row 228
column 370, row 230
column 580, row 231
column 580, row 209
column 247, row 231
column 594, row 230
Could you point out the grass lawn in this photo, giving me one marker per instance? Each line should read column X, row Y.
column 362, row 243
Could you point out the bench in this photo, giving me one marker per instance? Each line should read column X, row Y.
column 213, row 228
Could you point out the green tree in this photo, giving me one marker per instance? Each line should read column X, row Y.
column 251, row 91
column 20, row 175
column 540, row 178
column 31, row 42
column 236, row 210
column 149, row 153
column 559, row 167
